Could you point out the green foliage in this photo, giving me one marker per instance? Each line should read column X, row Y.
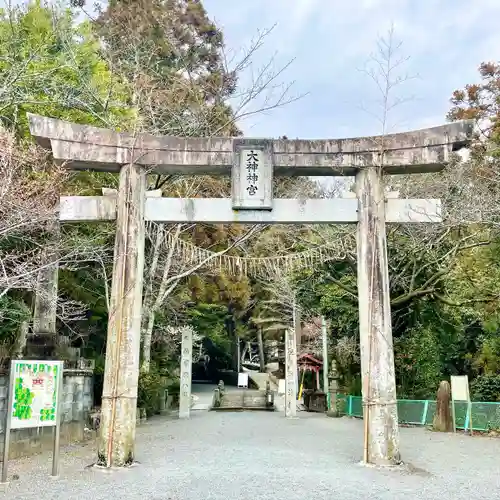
column 487, row 360
column 174, row 386
column 13, row 311
column 433, row 338
column 210, row 320
column 99, row 364
column 418, row 362
column 51, row 66
column 486, row 388
column 150, row 392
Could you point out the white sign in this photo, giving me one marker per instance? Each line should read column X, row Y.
column 243, row 380
column 35, row 393
column 460, row 388
column 460, row 392
column 281, row 386
column 252, row 178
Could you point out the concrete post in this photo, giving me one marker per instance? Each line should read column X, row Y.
column 377, row 354
column 119, row 398
column 298, row 336
column 238, row 354
column 262, row 358
column 186, row 368
column 290, row 373
column 324, row 335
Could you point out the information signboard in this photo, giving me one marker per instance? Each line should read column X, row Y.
column 460, row 392
column 460, row 388
column 35, row 387
column 243, row 380
column 35, row 392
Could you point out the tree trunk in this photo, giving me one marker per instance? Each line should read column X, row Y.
column 244, row 353
column 150, row 305
column 443, row 421
column 262, row 359
column 22, row 338
column 297, row 325
column 238, row 355
column 121, row 373
column 146, row 341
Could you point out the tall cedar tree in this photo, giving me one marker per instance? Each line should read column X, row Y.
column 173, row 55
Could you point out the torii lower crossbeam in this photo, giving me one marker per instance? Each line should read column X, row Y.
column 220, row 211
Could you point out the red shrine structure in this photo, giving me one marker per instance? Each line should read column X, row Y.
column 308, row 363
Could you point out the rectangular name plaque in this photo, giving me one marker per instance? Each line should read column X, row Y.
column 252, row 175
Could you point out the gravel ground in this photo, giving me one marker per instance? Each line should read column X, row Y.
column 240, row 456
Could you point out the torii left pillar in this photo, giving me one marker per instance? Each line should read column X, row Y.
column 119, row 398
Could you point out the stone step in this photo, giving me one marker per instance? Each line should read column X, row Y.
column 244, row 400
column 232, row 399
column 254, row 400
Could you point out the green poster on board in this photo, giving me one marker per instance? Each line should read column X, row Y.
column 35, row 387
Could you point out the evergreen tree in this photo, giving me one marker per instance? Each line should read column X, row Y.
column 50, row 66
column 173, row 55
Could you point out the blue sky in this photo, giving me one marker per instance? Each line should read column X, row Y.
column 331, row 41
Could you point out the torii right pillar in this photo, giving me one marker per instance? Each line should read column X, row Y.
column 380, row 413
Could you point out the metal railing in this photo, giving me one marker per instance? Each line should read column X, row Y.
column 485, row 416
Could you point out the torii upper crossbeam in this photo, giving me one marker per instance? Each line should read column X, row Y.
column 92, row 148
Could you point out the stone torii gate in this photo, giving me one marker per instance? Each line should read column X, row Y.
column 252, row 164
